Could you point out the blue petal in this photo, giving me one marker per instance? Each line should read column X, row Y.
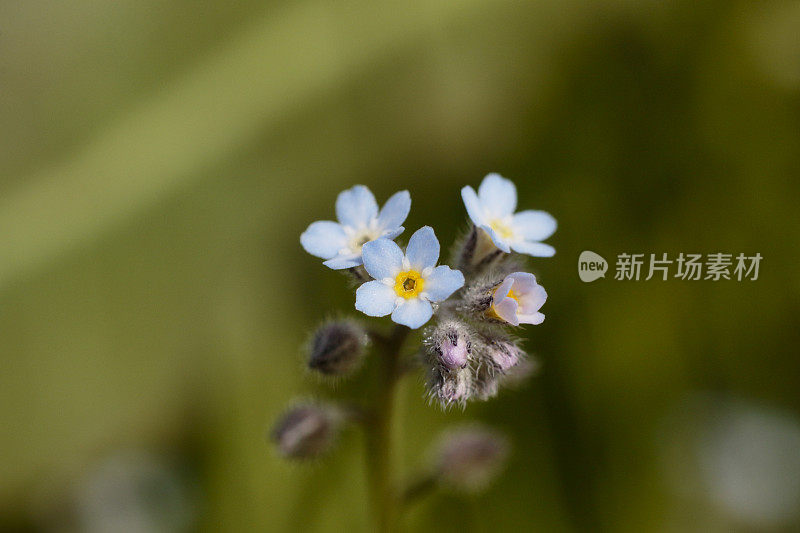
column 498, row 196
column 343, row 261
column 373, row 298
column 393, row 233
column 534, row 249
column 413, row 313
column 356, row 207
column 534, row 225
column 382, row 258
column 443, row 282
column 423, row 249
column 473, row 205
column 496, row 239
column 395, row 210
column 324, row 239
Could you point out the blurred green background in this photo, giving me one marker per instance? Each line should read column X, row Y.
column 159, row 160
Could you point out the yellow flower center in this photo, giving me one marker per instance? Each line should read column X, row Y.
column 493, row 314
column 502, row 229
column 408, row 284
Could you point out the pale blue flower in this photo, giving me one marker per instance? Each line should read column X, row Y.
column 405, row 285
column 517, row 300
column 492, row 210
column 359, row 222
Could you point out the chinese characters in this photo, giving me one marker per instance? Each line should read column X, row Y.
column 712, row 267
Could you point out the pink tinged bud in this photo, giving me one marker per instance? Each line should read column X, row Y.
column 305, row 431
column 470, row 458
column 454, row 388
column 453, row 350
column 449, row 346
column 504, row 354
column 337, row 348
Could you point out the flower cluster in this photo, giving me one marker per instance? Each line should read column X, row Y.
column 469, row 352
column 468, row 346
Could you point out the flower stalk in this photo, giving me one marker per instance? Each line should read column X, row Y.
column 380, row 433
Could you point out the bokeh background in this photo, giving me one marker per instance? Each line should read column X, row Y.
column 158, row 161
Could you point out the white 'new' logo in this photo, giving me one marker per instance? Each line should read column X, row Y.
column 591, row 266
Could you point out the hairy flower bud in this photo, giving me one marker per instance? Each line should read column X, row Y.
column 306, row 431
column 337, row 348
column 478, row 296
column 450, row 387
column 449, row 345
column 504, row 354
column 468, row 459
column 455, row 389
column 454, row 352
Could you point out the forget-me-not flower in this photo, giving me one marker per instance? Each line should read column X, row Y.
column 406, row 284
column 492, row 210
column 517, row 300
column 360, row 222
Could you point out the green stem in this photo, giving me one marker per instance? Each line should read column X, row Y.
column 380, row 450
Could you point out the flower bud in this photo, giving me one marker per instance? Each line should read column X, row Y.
column 306, row 431
column 504, row 354
column 478, row 296
column 337, row 348
column 450, row 387
column 456, row 388
column 450, row 344
column 470, row 458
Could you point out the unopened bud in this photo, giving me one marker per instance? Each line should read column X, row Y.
column 455, row 389
column 470, row 458
column 504, row 354
column 306, row 431
column 450, row 343
column 450, row 387
column 478, row 296
column 337, row 348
